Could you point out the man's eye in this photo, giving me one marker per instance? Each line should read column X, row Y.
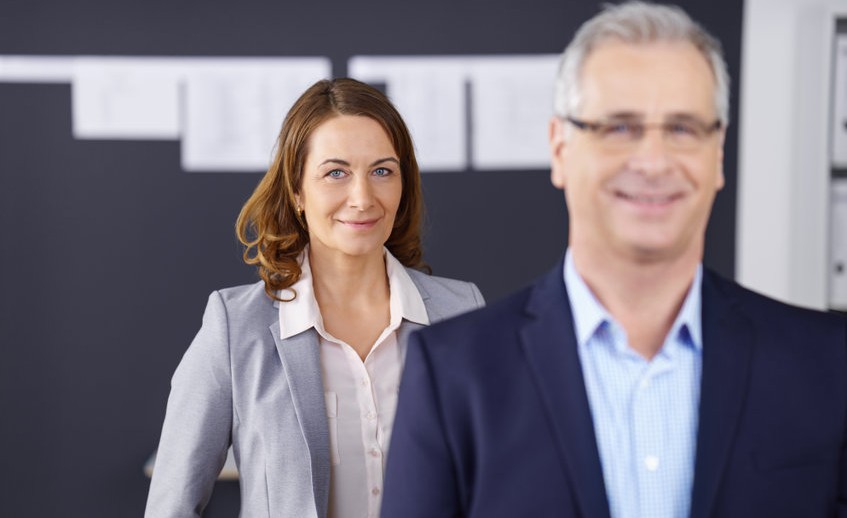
column 620, row 129
column 682, row 129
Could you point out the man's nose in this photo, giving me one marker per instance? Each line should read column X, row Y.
column 651, row 155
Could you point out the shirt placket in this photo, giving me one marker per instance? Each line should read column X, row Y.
column 366, row 398
column 649, row 430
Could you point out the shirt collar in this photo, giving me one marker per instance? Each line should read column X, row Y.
column 302, row 313
column 405, row 300
column 689, row 314
column 589, row 314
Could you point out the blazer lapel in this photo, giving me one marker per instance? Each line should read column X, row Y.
column 549, row 342
column 300, row 356
column 728, row 342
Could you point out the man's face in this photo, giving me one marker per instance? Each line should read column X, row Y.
column 648, row 198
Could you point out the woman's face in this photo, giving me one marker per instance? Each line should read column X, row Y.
column 351, row 187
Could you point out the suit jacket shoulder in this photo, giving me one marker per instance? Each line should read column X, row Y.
column 785, row 323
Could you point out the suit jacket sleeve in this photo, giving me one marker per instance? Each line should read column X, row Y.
column 198, row 423
column 420, row 478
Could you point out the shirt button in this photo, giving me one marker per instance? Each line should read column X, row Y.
column 370, row 416
column 375, row 491
column 364, row 382
column 651, row 462
column 645, row 383
column 374, row 452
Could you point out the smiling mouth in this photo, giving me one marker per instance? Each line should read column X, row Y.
column 361, row 224
column 649, row 199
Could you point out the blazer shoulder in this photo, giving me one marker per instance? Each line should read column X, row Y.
column 488, row 324
column 245, row 307
column 448, row 297
column 245, row 295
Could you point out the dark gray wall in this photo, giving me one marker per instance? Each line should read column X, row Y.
column 110, row 250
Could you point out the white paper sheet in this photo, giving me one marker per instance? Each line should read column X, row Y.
column 125, row 98
column 512, row 101
column 234, row 109
column 429, row 93
column 36, row 69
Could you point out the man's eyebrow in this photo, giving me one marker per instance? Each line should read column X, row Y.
column 683, row 116
column 625, row 115
column 674, row 116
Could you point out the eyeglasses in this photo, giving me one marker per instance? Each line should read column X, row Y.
column 682, row 134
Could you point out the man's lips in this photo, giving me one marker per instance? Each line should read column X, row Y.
column 649, row 198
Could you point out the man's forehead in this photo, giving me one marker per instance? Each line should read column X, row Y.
column 664, row 78
column 618, row 56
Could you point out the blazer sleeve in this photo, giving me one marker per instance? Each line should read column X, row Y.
column 198, row 422
column 420, row 478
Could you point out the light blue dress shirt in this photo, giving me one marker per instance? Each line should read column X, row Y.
column 644, row 412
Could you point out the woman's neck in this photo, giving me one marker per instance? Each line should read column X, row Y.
column 341, row 279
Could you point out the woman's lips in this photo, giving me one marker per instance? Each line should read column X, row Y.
column 361, row 224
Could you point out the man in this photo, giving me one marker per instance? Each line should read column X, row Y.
column 629, row 381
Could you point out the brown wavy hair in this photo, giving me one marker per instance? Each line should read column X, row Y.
column 269, row 225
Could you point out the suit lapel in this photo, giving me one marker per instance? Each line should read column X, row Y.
column 728, row 342
column 300, row 356
column 549, row 342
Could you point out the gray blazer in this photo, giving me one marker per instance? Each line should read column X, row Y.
column 240, row 384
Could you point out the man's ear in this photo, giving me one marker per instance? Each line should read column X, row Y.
column 721, row 180
column 556, row 137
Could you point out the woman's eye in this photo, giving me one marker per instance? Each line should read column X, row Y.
column 336, row 173
column 382, row 171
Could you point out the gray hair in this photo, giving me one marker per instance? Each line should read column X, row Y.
column 637, row 22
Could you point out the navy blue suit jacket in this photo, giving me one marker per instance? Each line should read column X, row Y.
column 493, row 417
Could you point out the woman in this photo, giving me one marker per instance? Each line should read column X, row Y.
column 300, row 371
